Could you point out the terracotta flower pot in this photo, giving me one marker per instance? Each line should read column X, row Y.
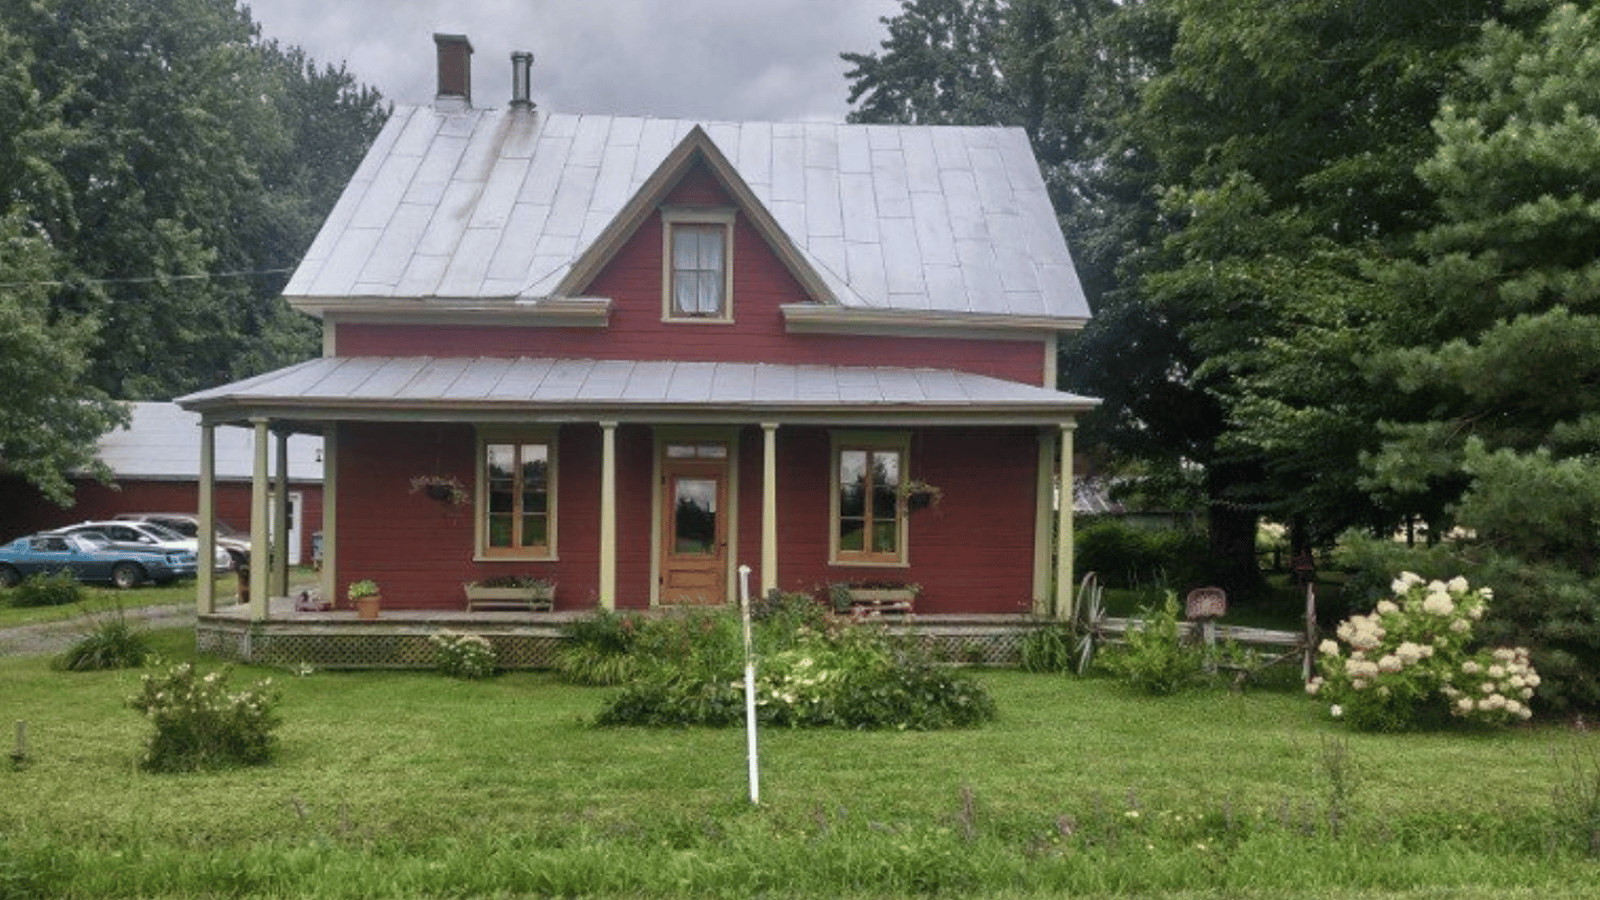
column 367, row 607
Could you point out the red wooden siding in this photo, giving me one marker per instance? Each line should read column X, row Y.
column 761, row 284
column 972, row 553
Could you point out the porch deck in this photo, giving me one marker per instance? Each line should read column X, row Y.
column 337, row 639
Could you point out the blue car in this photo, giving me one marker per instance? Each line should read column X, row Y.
column 91, row 557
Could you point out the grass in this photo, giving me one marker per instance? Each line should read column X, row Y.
column 101, row 599
column 412, row 784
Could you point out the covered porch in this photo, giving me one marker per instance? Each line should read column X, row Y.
column 602, row 413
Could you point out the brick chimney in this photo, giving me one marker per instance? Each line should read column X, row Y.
column 521, row 91
column 455, row 70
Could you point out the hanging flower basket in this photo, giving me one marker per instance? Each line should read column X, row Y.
column 444, row 488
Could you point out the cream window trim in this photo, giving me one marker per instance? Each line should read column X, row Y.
column 480, row 510
column 676, row 216
column 842, row 440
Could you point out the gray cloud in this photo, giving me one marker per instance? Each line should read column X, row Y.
column 718, row 59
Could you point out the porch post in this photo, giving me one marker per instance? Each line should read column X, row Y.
column 1064, row 585
column 205, row 594
column 280, row 518
column 608, row 515
column 769, row 507
column 330, row 512
column 1044, row 523
column 260, row 558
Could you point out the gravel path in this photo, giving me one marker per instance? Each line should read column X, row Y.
column 53, row 637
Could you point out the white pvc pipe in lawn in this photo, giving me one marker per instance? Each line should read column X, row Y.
column 749, row 687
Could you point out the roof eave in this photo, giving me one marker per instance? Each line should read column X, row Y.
column 560, row 312
column 229, row 409
column 820, row 318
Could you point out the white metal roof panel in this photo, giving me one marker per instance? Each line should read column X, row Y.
column 490, row 204
column 162, row 441
column 611, row 387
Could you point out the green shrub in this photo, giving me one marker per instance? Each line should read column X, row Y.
column 1154, row 656
column 1410, row 664
column 109, row 643
column 1126, row 556
column 833, row 673
column 200, row 725
column 468, row 656
column 598, row 649
column 54, row 589
column 1049, row 648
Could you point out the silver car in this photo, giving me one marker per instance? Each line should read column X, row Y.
column 146, row 535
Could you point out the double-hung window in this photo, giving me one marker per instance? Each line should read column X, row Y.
column 517, row 516
column 868, row 517
column 698, row 283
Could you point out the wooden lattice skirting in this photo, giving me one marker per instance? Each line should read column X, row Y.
column 390, row 645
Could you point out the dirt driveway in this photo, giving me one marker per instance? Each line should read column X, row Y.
column 53, row 637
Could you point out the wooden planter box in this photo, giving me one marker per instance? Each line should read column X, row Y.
column 536, row 599
column 881, row 600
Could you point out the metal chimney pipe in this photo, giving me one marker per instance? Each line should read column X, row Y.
column 521, row 79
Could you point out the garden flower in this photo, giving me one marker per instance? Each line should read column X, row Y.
column 1336, row 711
column 1439, row 604
column 1329, row 648
column 1387, row 606
column 1457, row 585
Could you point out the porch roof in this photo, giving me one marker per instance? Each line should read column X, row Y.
column 483, row 389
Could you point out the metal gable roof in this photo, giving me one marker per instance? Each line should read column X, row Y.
column 499, row 204
column 562, row 389
column 162, row 441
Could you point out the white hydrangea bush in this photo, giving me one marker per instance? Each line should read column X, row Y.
column 1408, row 663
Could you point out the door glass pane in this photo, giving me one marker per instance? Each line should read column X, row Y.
column 534, row 531
column 694, row 516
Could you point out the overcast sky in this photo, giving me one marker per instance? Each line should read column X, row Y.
column 774, row 60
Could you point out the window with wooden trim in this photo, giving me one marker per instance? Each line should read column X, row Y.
column 869, row 519
column 698, row 282
column 516, row 518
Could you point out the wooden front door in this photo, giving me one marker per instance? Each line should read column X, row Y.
column 694, row 529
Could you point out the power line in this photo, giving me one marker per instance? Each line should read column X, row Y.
column 143, row 279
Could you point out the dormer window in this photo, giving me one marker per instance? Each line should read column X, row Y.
column 697, row 276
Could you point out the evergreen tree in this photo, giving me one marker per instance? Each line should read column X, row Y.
column 1501, row 339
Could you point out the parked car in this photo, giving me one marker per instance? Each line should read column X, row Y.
column 231, row 539
column 147, row 535
column 92, row 557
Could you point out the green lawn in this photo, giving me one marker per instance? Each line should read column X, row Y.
column 411, row 784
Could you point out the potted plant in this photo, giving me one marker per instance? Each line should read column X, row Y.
column 537, row 594
column 920, row 494
column 446, row 488
column 873, row 596
column 365, row 596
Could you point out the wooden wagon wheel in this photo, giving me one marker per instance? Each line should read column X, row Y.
column 1091, row 609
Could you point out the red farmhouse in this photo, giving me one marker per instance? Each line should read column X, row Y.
column 649, row 352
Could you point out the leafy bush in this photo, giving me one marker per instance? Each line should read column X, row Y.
column 1408, row 663
column 200, row 725
column 54, row 589
column 1154, row 656
column 598, row 649
column 834, row 673
column 1125, row 556
column 468, row 656
column 1049, row 648
column 109, row 643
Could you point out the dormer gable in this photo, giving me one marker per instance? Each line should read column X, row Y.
column 698, row 195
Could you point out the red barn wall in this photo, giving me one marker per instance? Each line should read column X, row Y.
column 633, row 279
column 27, row 511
